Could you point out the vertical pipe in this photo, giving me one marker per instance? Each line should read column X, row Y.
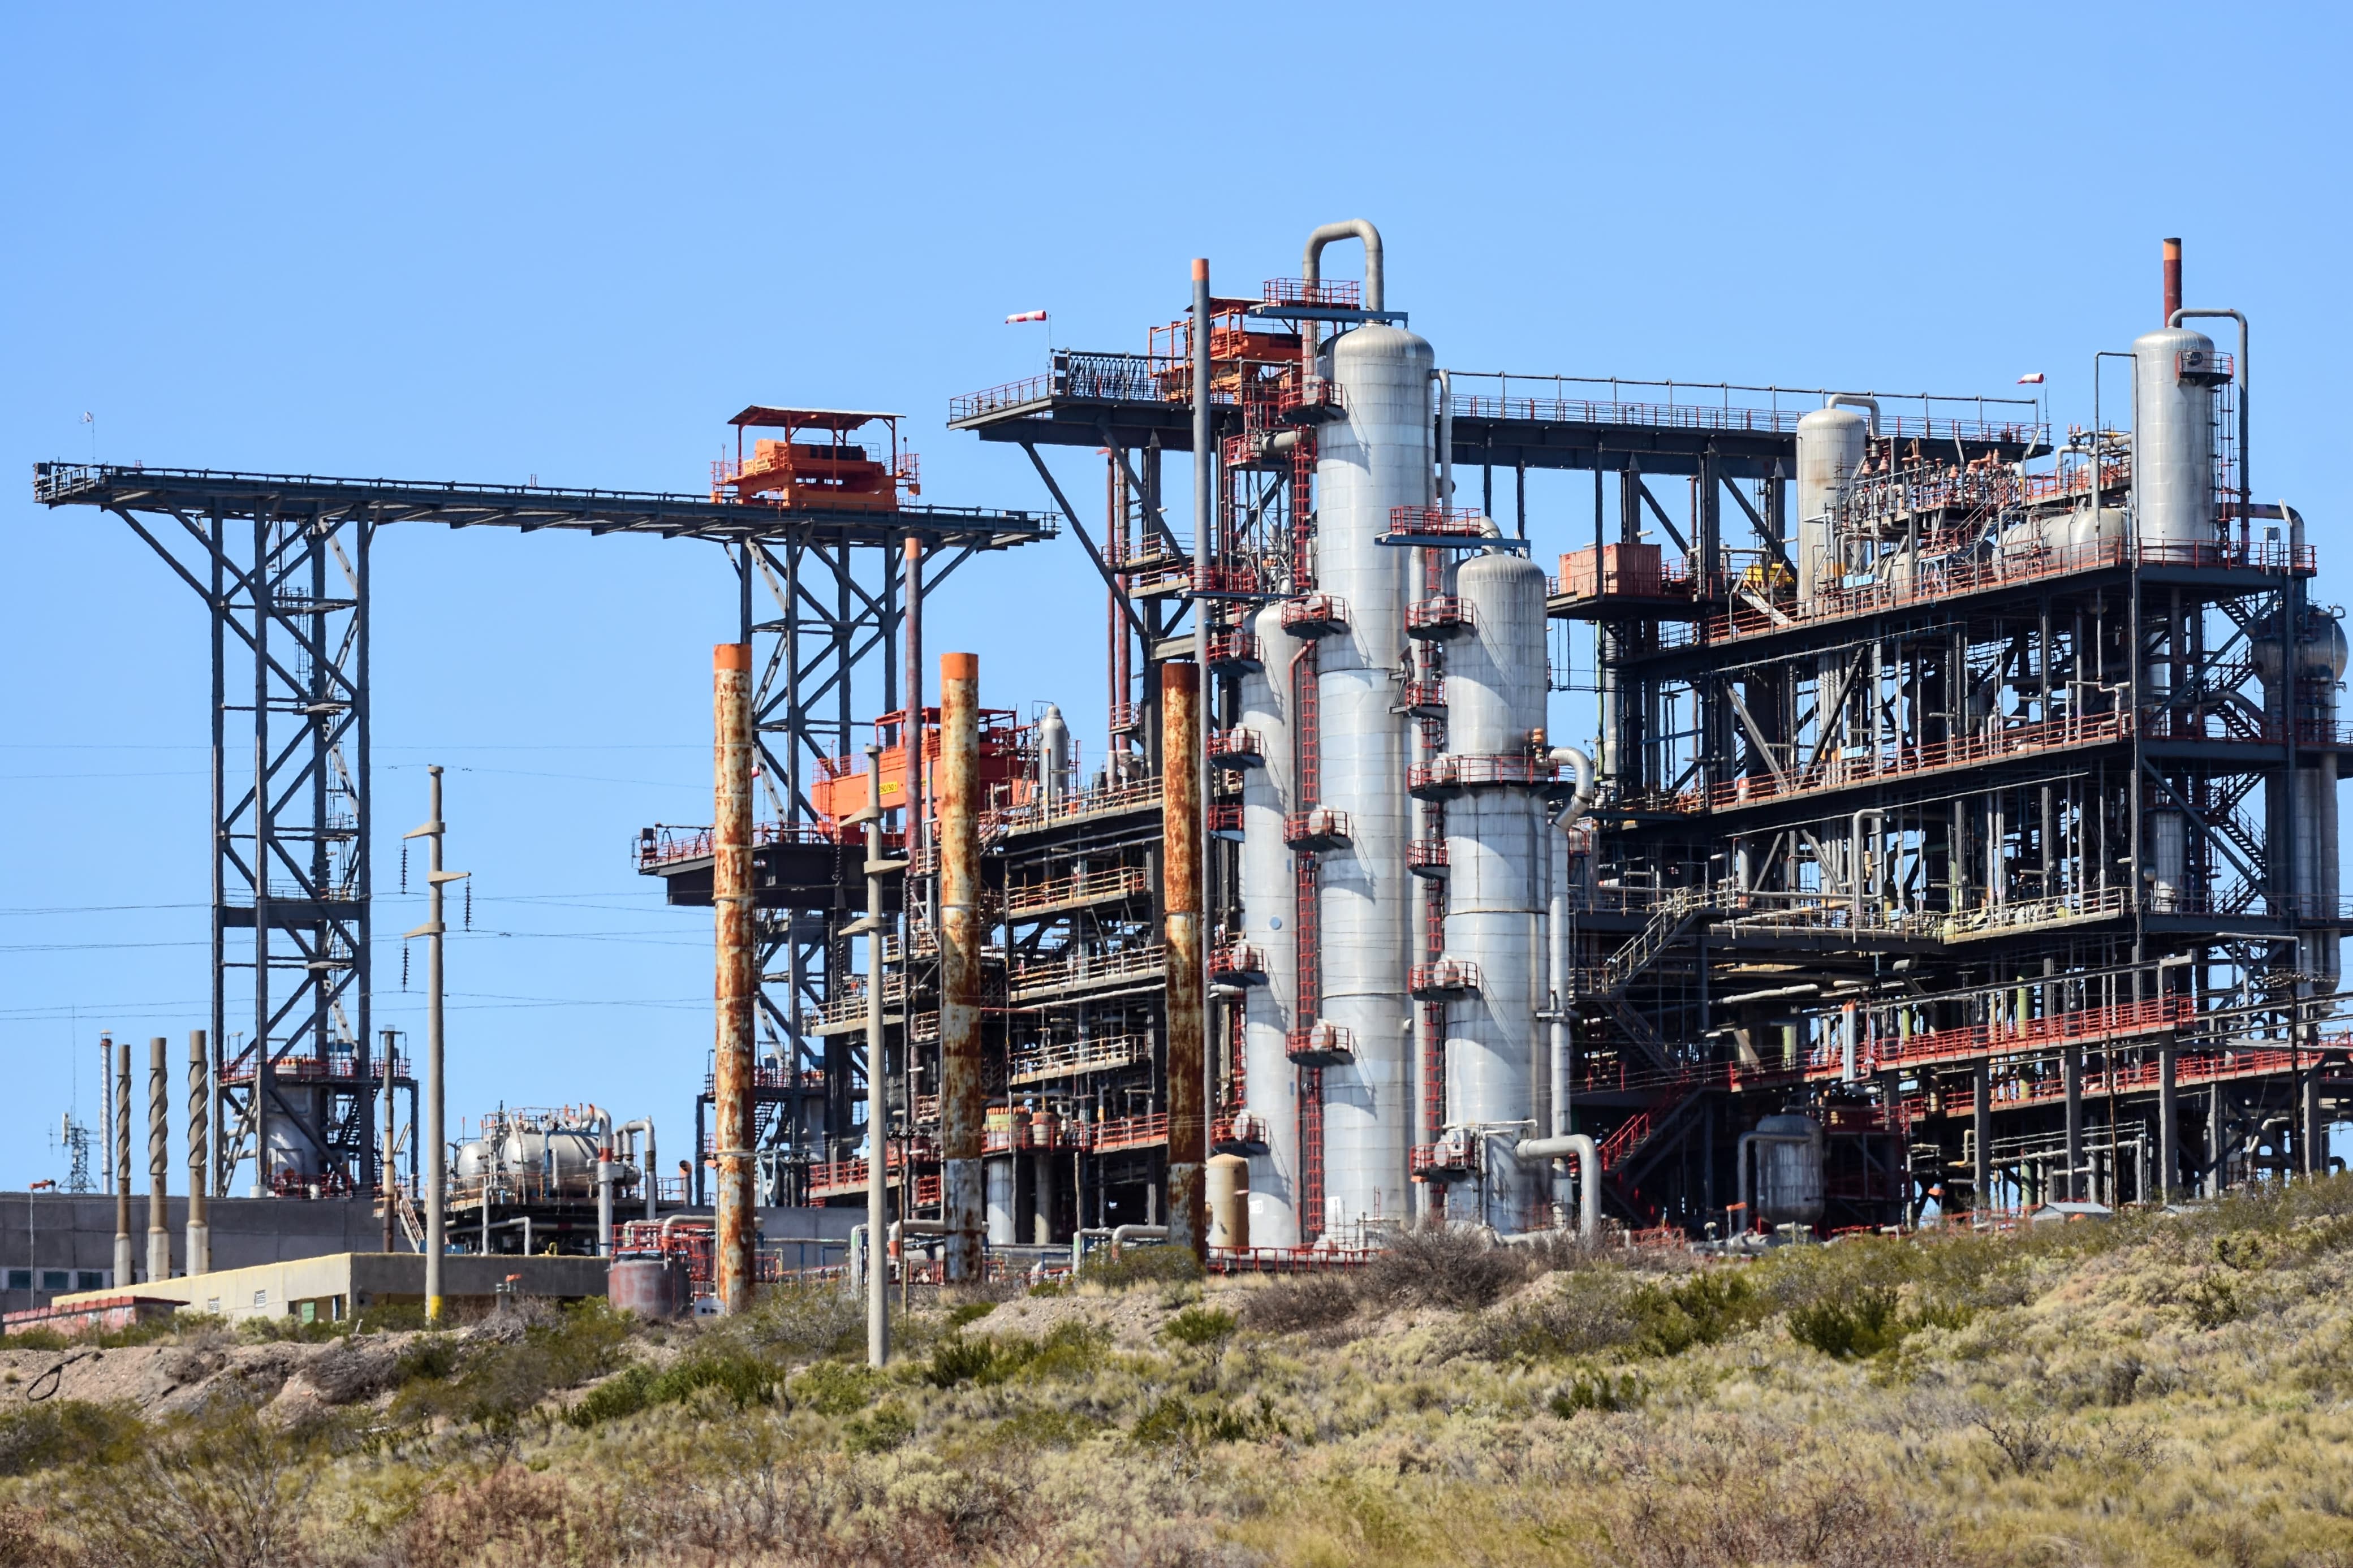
column 919, row 783
column 200, row 1089
column 124, row 1275
column 264, row 847
column 2070, row 1069
column 218, row 1179
column 878, row 1095
column 159, row 1160
column 1981, row 1122
column 2169, row 1121
column 1180, row 737
column 961, row 930
column 364, row 872
column 2172, row 280
column 435, row 1141
column 385, row 1179
column 731, row 898
column 1185, row 1197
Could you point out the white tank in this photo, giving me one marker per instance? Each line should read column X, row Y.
column 2173, row 436
column 1376, row 458
column 1053, row 754
column 1830, row 445
column 2320, row 662
column 560, row 1161
column 475, row 1161
column 1270, row 897
column 1496, row 848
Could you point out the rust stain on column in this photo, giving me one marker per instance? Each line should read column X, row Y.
column 730, row 899
column 962, row 1106
column 1181, row 903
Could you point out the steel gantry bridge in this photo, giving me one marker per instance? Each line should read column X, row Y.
column 282, row 563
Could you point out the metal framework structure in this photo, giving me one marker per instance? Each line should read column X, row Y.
column 281, row 562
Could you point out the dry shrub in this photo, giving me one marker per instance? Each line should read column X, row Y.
column 1828, row 1521
column 25, row 1542
column 508, row 1518
column 1299, row 1303
column 1586, row 1313
column 1441, row 1266
column 225, row 1490
column 351, row 1370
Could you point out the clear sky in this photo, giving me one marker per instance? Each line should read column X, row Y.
column 496, row 242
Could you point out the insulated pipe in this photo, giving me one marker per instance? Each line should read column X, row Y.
column 159, row 1160
column 200, row 1230
column 963, row 1101
column 1582, row 1149
column 1854, row 852
column 604, row 1121
column 2174, row 316
column 1445, row 439
column 1310, row 271
column 646, row 1179
column 1187, row 1005
column 877, row 1090
column 1557, row 929
column 1855, row 400
column 1118, row 1234
column 125, row 1275
column 738, row 985
column 1740, row 1165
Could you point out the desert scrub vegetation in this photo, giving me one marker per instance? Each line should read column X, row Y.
column 2160, row 1389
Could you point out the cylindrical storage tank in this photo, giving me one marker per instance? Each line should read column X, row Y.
column 1495, row 691
column 2168, row 860
column 1053, row 754
column 475, row 1160
column 2173, row 436
column 1830, row 445
column 654, row 1289
column 1376, row 459
column 1229, row 1200
column 1789, row 1172
column 998, row 1177
column 1269, row 899
column 560, row 1161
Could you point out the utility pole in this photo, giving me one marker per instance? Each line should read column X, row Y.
column 432, row 930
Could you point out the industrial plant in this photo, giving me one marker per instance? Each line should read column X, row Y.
column 1854, row 810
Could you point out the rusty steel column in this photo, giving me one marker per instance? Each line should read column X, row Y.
column 2172, row 280
column 735, row 985
column 159, row 1159
column 1181, row 899
column 200, row 1089
column 962, row 1105
column 124, row 1270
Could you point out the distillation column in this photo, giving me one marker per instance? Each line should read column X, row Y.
column 1267, row 895
column 1376, row 458
column 1495, row 850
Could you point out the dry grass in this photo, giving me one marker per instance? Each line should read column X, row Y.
column 2166, row 1392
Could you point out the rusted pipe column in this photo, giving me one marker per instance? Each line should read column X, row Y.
column 200, row 1096
column 730, row 899
column 1180, row 796
column 962, row 1105
column 124, row 1273
column 159, row 1159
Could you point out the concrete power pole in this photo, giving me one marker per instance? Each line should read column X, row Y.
column 125, row 1275
column 437, row 1188
column 159, row 1159
column 200, row 1099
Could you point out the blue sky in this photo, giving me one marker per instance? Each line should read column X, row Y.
column 489, row 243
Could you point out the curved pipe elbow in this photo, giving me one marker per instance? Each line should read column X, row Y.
column 1855, row 400
column 1312, row 261
column 1581, row 767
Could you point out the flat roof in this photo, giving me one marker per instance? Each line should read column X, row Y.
column 818, row 418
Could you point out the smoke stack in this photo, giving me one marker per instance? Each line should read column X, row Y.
column 2172, row 281
column 1181, row 900
column 125, row 1276
column 200, row 1230
column 962, row 1102
column 159, row 1159
column 730, row 899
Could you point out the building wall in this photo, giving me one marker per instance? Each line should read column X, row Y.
column 43, row 1234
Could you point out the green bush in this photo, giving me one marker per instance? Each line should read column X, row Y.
column 835, row 1388
column 1586, row 1313
column 1175, row 1420
column 888, row 1427
column 1863, row 1326
column 969, row 1312
column 1598, row 1392
column 1199, row 1327
column 1707, row 1306
column 66, row 1432
column 493, row 1382
column 743, row 1379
